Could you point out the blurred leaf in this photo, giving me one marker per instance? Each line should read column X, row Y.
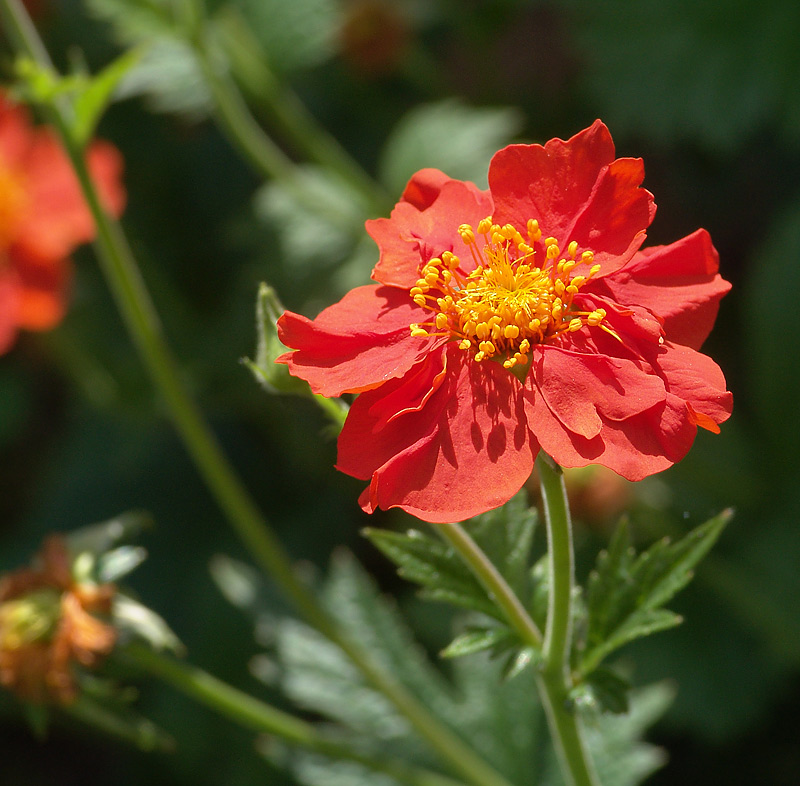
column 626, row 591
column 318, row 217
column 115, row 564
column 603, row 690
column 450, row 136
column 136, row 19
column 90, row 103
column 170, row 78
column 102, row 537
column 167, row 72
column 502, row 720
column 294, row 35
column 476, row 639
column 131, row 618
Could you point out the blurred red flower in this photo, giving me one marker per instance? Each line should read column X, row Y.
column 42, row 219
column 516, row 319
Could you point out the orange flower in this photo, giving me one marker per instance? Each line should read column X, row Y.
column 47, row 623
column 42, row 219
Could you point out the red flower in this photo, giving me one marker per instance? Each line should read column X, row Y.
column 42, row 219
column 514, row 319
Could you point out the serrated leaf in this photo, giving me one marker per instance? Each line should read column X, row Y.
column 436, row 566
column 458, row 139
column 604, row 690
column 476, row 640
column 626, row 592
column 505, row 535
column 502, row 721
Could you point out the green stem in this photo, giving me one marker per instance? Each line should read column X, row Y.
column 133, row 300
column 250, row 713
column 493, row 582
column 288, row 113
column 554, row 677
column 247, row 136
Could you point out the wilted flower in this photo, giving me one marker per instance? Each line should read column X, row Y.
column 516, row 319
column 48, row 624
column 42, row 219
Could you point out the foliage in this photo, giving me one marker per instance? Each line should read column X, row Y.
column 504, row 721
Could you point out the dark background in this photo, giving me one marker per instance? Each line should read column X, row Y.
column 706, row 93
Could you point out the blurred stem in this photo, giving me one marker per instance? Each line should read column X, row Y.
column 289, row 113
column 493, row 582
column 245, row 134
column 250, row 713
column 133, row 300
column 554, row 677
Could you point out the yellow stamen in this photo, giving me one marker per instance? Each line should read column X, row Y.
column 520, row 293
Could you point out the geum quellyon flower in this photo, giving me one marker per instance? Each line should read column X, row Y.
column 521, row 318
column 43, row 217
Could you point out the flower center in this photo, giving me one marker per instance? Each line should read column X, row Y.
column 511, row 300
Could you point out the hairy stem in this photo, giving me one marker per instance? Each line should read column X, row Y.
column 554, row 678
column 493, row 582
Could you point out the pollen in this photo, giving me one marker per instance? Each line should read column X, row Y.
column 520, row 292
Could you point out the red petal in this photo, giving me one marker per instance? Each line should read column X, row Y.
column 696, row 380
column 577, row 191
column 466, row 451
column 613, row 221
column 581, row 388
column 679, row 282
column 60, row 220
column 43, row 289
column 9, row 307
column 632, row 448
column 357, row 343
column 423, row 188
column 412, row 236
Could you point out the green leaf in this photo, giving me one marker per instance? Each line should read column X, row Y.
column 476, row 639
column 604, row 690
column 501, row 719
column 274, row 377
column 91, row 102
column 450, row 136
column 294, row 35
column 167, row 72
column 626, row 592
column 318, row 217
column 436, row 566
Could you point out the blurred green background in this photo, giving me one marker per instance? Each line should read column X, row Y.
column 706, row 93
